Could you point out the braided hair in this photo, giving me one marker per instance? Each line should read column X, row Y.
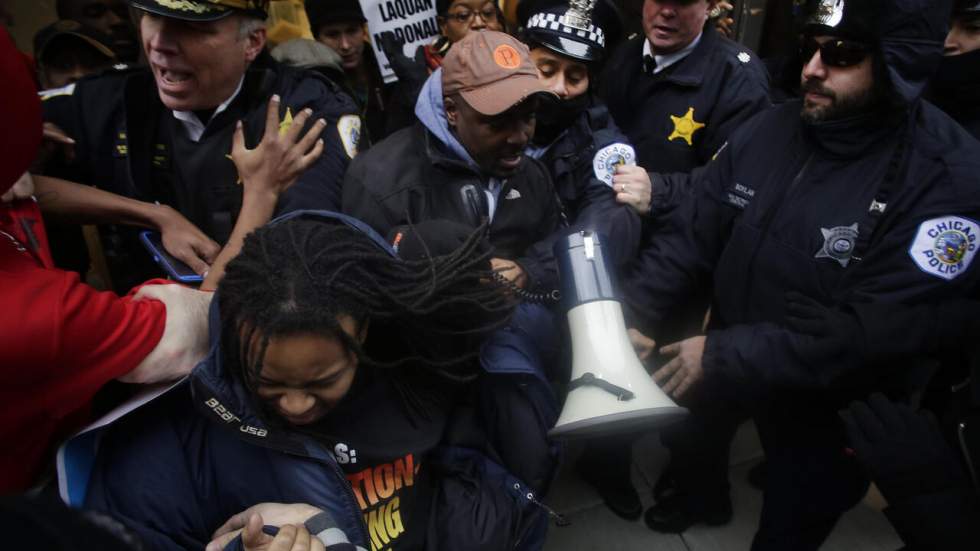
column 300, row 275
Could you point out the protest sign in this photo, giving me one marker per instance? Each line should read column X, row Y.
column 413, row 21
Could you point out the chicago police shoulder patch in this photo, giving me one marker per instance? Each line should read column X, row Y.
column 349, row 128
column 606, row 160
column 945, row 246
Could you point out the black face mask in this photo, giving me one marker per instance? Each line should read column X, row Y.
column 956, row 84
column 555, row 115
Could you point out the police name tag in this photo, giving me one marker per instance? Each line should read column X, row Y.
column 608, row 158
column 944, row 247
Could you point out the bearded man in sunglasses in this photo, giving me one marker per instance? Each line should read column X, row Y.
column 856, row 195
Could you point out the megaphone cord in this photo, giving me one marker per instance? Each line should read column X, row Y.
column 549, row 297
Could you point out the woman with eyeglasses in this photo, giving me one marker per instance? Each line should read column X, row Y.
column 456, row 18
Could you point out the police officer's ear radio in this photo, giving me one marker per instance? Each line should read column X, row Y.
column 610, row 391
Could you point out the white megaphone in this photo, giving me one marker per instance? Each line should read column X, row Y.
column 610, row 391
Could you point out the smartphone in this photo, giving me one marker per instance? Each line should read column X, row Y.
column 176, row 269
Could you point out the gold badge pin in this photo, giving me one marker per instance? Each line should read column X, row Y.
column 685, row 127
column 286, row 122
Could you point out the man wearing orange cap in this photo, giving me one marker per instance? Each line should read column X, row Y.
column 464, row 158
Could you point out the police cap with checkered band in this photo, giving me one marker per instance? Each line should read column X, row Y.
column 572, row 28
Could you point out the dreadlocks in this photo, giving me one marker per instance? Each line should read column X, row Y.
column 299, row 275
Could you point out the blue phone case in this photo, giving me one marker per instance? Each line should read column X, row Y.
column 176, row 269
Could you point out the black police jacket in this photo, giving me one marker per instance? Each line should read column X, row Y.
column 127, row 142
column 677, row 119
column 801, row 221
column 581, row 163
column 409, row 177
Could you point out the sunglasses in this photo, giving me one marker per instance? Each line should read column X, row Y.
column 838, row 53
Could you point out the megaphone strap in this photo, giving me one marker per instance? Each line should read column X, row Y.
column 588, row 379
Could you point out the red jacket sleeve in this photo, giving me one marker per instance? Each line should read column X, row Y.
column 62, row 340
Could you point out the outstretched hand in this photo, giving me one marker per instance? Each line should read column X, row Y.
column 685, row 369
column 406, row 69
column 185, row 241
column 282, row 155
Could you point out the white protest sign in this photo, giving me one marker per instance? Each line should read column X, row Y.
column 413, row 21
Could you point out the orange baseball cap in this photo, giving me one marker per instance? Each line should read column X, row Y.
column 491, row 70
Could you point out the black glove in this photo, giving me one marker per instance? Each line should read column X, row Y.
column 903, row 451
column 834, row 331
column 412, row 72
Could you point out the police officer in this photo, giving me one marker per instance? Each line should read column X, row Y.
column 956, row 86
column 163, row 134
column 868, row 196
column 680, row 90
column 575, row 137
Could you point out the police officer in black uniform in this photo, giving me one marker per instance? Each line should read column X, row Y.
column 679, row 90
column 868, row 196
column 163, row 134
column 575, row 137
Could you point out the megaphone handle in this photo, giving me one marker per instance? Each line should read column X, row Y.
column 588, row 379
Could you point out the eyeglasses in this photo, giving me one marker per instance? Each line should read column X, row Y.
column 839, row 53
column 465, row 17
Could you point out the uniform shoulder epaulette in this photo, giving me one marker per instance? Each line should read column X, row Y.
column 56, row 92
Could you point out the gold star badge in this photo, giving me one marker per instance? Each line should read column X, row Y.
column 685, row 127
column 287, row 121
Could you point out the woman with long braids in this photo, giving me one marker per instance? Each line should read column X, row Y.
column 338, row 373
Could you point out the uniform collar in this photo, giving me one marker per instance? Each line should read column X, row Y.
column 193, row 125
column 664, row 61
column 692, row 71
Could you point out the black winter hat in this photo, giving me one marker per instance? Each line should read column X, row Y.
column 966, row 7
column 321, row 12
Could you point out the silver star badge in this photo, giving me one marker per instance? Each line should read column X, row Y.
column 744, row 57
column 838, row 243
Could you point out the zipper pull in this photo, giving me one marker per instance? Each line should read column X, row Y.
column 560, row 520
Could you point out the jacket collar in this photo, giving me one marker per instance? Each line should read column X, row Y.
column 854, row 136
column 222, row 399
column 691, row 70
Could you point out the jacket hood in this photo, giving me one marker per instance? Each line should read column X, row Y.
column 908, row 35
column 911, row 34
column 431, row 111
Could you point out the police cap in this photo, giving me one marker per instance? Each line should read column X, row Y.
column 852, row 19
column 202, row 10
column 579, row 29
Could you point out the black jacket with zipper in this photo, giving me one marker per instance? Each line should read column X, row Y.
column 411, row 177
